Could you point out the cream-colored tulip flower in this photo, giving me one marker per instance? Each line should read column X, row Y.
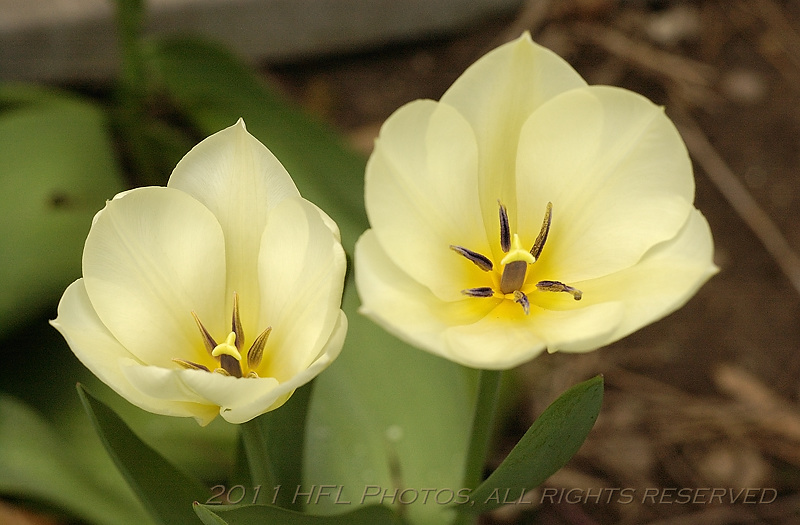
column 528, row 211
column 218, row 294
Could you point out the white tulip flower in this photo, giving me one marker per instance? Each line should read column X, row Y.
column 527, row 211
column 218, row 294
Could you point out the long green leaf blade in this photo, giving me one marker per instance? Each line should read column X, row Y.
column 166, row 492
column 547, row 446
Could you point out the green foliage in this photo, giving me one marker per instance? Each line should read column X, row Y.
column 57, row 168
column 282, row 437
column 38, row 465
column 166, row 492
column 266, row 514
column 551, row 441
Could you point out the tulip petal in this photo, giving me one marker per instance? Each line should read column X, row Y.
column 227, row 391
column 587, row 327
column 422, row 195
column 617, row 173
column 152, row 257
column 663, row 281
column 240, row 181
column 166, row 383
column 403, row 306
column 508, row 339
column 492, row 343
column 106, row 358
column 301, row 269
column 496, row 95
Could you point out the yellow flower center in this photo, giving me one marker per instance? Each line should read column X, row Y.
column 229, row 352
column 515, row 264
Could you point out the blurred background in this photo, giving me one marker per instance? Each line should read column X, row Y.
column 706, row 398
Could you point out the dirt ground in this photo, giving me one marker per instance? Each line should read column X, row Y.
column 704, row 402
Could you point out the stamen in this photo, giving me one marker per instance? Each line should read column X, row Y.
column 505, row 229
column 208, row 341
column 256, row 351
column 236, row 323
column 483, row 291
column 481, row 261
column 558, row 286
column 189, row 365
column 228, row 353
column 515, row 263
column 522, row 299
column 538, row 244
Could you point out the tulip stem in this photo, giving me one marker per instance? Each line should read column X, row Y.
column 482, row 426
column 257, row 452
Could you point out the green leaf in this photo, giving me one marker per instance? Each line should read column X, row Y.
column 57, row 168
column 37, row 465
column 208, row 517
column 267, row 514
column 384, row 415
column 166, row 492
column 547, row 446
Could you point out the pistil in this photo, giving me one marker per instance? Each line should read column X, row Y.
column 515, row 266
column 229, row 356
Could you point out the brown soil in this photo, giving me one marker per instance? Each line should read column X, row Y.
column 707, row 398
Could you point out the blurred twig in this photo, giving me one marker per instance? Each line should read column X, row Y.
column 784, row 31
column 772, row 413
column 646, row 56
column 740, row 199
column 779, row 43
column 710, row 515
column 531, row 17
